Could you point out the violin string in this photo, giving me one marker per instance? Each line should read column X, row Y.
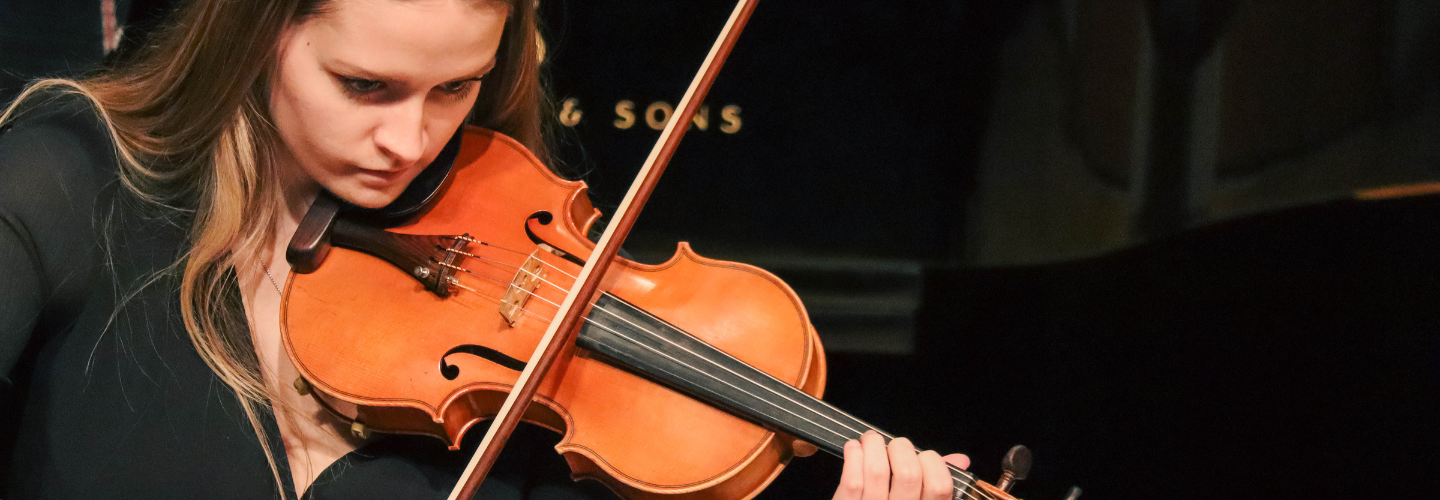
column 643, row 329
column 468, row 254
column 533, row 274
column 543, row 319
column 504, row 264
column 747, row 379
column 638, row 327
column 826, row 404
column 967, row 492
column 518, row 268
column 732, row 372
column 687, row 350
column 542, row 261
column 510, row 284
column 466, row 287
column 486, row 243
column 491, row 278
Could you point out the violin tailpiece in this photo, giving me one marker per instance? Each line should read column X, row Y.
column 430, row 259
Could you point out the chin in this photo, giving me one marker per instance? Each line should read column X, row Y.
column 368, row 198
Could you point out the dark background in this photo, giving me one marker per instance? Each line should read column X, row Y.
column 1123, row 233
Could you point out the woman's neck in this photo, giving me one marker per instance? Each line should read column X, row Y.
column 298, row 191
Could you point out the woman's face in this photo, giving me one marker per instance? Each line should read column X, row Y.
column 367, row 93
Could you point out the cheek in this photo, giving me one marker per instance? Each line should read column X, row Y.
column 441, row 121
column 318, row 125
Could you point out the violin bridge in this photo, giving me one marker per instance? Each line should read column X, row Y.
column 527, row 280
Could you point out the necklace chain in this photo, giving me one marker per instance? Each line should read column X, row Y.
column 272, row 280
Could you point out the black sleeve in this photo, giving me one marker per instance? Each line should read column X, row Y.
column 53, row 162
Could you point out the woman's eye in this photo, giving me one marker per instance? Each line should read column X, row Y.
column 456, row 87
column 361, row 86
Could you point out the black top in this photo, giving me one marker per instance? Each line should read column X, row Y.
column 114, row 402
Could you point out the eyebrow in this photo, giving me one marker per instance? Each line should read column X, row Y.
column 354, row 71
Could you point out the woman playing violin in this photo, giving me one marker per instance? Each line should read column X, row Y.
column 144, row 214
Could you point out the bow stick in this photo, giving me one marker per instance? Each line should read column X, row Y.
column 551, row 345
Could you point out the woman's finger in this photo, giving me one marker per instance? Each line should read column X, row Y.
column 938, row 484
column 958, row 460
column 877, row 467
column 852, row 476
column 905, row 472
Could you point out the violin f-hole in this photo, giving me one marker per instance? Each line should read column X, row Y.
column 450, row 372
column 544, row 218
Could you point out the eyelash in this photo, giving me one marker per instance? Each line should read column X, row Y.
column 461, row 88
column 359, row 87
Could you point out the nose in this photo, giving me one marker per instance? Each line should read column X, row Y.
column 401, row 135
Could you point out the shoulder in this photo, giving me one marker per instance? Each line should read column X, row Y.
column 54, row 140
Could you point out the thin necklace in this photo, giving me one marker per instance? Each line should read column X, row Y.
column 272, row 280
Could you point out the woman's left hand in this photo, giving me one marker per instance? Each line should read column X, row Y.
column 875, row 471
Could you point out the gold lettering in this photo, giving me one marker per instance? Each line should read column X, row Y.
column 665, row 111
column 570, row 112
column 731, row 115
column 702, row 117
column 625, row 115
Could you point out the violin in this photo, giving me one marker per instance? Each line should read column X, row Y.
column 693, row 378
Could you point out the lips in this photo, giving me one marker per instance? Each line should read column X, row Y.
column 380, row 176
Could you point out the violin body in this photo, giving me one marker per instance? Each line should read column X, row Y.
column 370, row 331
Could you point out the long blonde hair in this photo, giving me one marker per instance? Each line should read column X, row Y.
column 189, row 118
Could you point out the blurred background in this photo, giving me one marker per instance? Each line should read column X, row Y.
column 1179, row 248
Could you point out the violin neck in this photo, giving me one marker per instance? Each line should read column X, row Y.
column 650, row 347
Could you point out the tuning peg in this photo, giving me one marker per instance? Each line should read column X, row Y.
column 1015, row 467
